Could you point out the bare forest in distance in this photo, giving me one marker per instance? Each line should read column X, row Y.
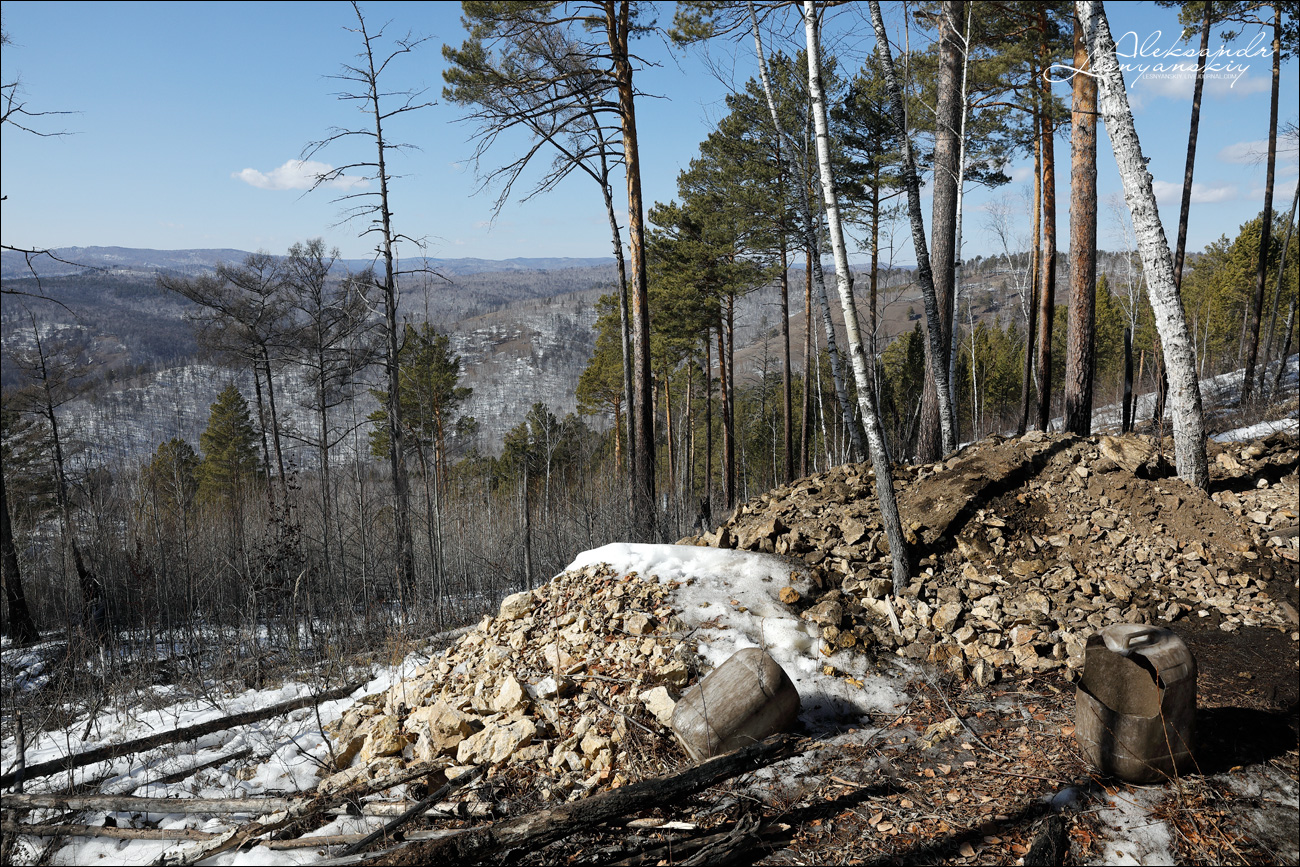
column 272, row 450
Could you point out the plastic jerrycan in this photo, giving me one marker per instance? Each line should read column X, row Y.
column 1135, row 706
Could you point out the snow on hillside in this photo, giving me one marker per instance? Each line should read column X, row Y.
column 727, row 599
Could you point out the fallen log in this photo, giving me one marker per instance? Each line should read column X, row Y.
column 445, row 810
column 184, row 773
column 277, row 820
column 720, row 847
column 133, row 804
column 104, row 831
column 539, row 829
column 114, row 751
column 331, row 840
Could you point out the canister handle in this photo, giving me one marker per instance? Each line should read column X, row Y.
column 1124, row 638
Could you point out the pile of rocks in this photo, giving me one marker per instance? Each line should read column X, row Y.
column 1026, row 547
column 1029, row 545
column 561, row 684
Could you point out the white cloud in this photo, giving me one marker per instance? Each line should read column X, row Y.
column 1245, row 153
column 297, row 175
column 1201, row 193
column 1254, row 153
column 1022, row 173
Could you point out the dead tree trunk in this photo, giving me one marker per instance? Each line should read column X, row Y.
column 1266, row 228
column 924, row 273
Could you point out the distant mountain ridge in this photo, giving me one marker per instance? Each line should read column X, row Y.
column 68, row 261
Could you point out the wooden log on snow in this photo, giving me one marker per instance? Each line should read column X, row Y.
column 103, row 831
column 113, row 751
column 327, row 841
column 415, row 810
column 185, row 773
column 133, row 804
column 278, row 820
column 539, row 829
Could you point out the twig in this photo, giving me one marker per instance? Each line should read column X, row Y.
column 414, row 811
column 1025, row 776
column 639, row 725
column 963, row 722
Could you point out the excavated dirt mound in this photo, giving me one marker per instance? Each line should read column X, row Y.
column 1023, row 548
column 1027, row 546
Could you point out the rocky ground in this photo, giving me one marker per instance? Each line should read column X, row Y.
column 1026, row 546
column 1029, row 545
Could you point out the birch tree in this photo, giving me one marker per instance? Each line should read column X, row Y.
column 844, row 283
column 1157, row 262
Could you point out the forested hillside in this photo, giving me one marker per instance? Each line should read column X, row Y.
column 224, row 467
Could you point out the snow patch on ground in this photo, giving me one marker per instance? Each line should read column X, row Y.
column 1275, row 821
column 1135, row 836
column 1258, row 431
column 728, row 601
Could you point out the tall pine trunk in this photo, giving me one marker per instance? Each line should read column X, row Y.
column 1035, row 280
column 1081, row 338
column 1266, row 229
column 617, row 23
column 1047, row 292
column 943, row 228
column 1189, row 167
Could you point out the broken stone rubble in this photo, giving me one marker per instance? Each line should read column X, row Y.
column 1021, row 557
column 553, row 684
column 1027, row 546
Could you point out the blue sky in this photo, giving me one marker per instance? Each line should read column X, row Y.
column 188, row 115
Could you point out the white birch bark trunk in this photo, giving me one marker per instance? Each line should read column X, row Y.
column 924, row 275
column 1184, row 388
column 844, row 282
column 810, row 238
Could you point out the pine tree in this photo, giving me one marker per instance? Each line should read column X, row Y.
column 430, row 395
column 169, row 482
column 600, row 387
column 229, row 450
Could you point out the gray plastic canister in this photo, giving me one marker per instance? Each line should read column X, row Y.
column 1135, row 707
column 746, row 699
